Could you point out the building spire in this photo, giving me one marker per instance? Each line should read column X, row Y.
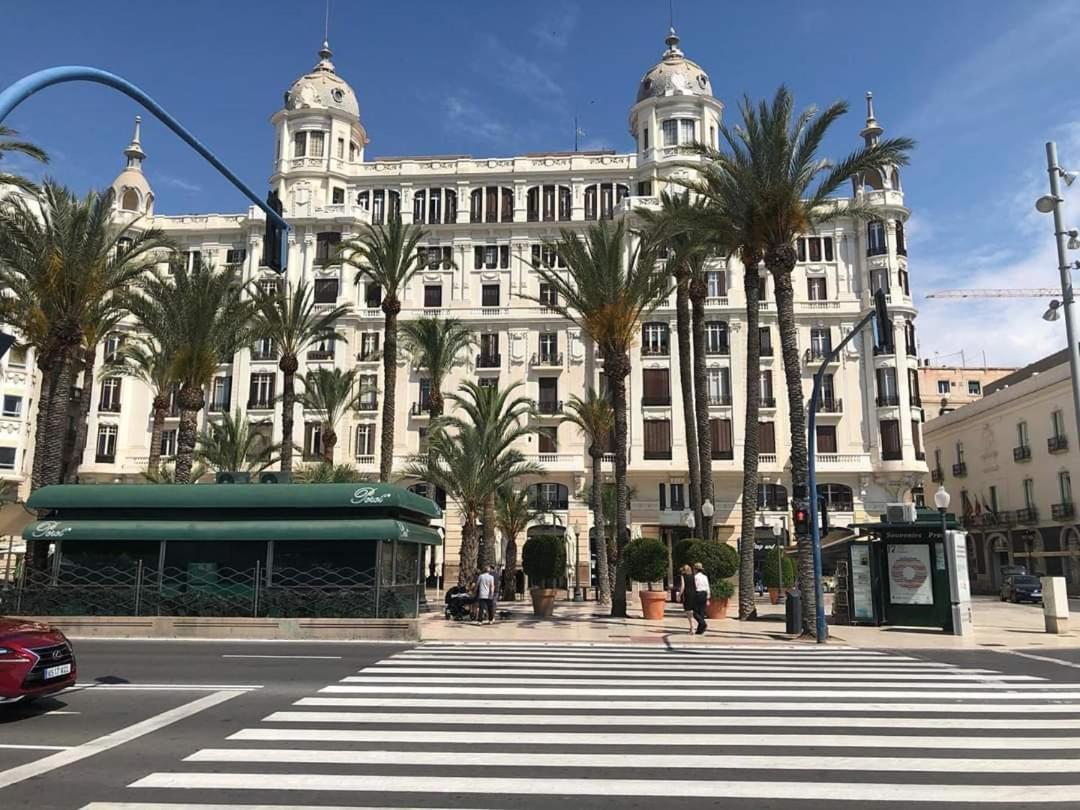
column 134, row 153
column 672, row 41
column 872, row 131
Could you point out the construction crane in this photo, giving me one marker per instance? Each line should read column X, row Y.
column 1034, row 292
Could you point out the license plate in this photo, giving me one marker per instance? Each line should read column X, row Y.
column 57, row 671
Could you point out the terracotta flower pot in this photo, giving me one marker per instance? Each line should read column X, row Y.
column 652, row 604
column 774, row 596
column 716, row 608
column 543, row 600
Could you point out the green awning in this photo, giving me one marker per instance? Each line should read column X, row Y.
column 230, row 530
column 358, row 497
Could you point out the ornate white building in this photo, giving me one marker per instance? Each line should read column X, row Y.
column 486, row 220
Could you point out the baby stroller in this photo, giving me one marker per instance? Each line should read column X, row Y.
column 458, row 604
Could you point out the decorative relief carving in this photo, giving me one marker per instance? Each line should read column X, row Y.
column 519, row 344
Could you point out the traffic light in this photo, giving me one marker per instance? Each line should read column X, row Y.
column 801, row 510
column 884, row 323
column 272, row 255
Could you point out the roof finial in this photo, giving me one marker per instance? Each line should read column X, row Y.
column 672, row 42
column 134, row 152
column 324, row 52
column 872, row 129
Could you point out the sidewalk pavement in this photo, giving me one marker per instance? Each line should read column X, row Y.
column 996, row 625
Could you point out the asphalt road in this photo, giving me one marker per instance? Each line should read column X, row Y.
column 228, row 724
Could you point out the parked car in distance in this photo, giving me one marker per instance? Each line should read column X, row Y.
column 35, row 660
column 1021, row 588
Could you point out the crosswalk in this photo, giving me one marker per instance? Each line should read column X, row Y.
column 513, row 725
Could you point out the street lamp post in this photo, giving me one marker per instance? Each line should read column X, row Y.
column 941, row 501
column 707, row 511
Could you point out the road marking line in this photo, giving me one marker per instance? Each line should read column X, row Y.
column 305, row 657
column 116, row 738
column 1045, row 658
column 600, row 720
column 703, row 672
column 694, row 666
column 1032, row 706
column 299, row 756
column 600, row 647
column 20, row 747
column 178, row 687
column 187, row 806
column 830, row 791
column 476, row 738
column 733, row 680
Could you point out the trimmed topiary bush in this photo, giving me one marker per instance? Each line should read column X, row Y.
column 721, row 588
column 771, row 572
column 646, row 560
column 682, row 553
column 719, row 560
column 544, row 559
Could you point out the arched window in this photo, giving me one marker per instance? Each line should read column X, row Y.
column 385, row 204
column 772, row 497
column 476, row 205
column 590, row 202
column 872, row 180
column 896, row 179
column 130, row 200
column 838, row 497
column 549, row 496
column 547, row 204
column 601, row 199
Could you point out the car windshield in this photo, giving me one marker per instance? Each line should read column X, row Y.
column 1025, row 580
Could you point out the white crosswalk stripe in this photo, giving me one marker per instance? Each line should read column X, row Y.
column 552, row 723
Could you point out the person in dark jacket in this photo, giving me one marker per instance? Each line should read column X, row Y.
column 687, row 594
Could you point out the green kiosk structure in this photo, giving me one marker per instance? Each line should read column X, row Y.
column 259, row 550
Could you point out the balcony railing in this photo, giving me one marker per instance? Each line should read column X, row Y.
column 888, row 400
column 547, row 407
column 647, row 402
column 768, row 402
column 719, row 399
column 1022, row 453
column 365, row 459
column 915, row 401
column 817, row 354
column 260, row 404
column 1063, row 511
column 264, row 357
column 920, row 455
column 937, row 475
column 655, row 351
column 371, row 404
column 368, row 357
column 765, row 351
column 547, row 359
column 109, row 407
column 830, row 406
column 105, row 458
column 1027, row 516
column 489, row 361
column 420, row 409
column 220, row 406
column 959, row 470
column 718, row 348
column 317, row 355
column 877, row 250
column 1057, row 444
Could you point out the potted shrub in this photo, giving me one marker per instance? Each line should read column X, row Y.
column 720, row 562
column 771, row 573
column 543, row 559
column 720, row 591
column 647, row 561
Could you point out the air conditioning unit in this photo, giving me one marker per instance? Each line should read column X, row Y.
column 899, row 513
column 275, row 477
column 233, row 478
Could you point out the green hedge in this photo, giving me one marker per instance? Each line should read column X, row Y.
column 721, row 588
column 771, row 572
column 544, row 559
column 646, row 560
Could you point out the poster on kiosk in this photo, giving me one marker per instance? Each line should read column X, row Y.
column 959, row 584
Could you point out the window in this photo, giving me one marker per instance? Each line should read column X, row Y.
column 820, row 341
column 264, row 349
column 261, row 392
column 902, row 280
column 959, row 452
column 354, row 150
column 645, row 140
column 838, row 497
column 168, row 443
column 313, row 446
column 890, row 440
column 974, row 388
column 875, row 238
column 663, row 497
column 716, row 337
column 300, row 144
column 943, row 387
column 365, row 440
column 549, row 347
column 326, row 247
column 916, row 439
column 763, row 288
column 489, row 294
column 7, row 458
column 901, row 245
column 716, row 284
column 337, row 196
column 815, row 289
column 110, row 395
column 326, row 290
column 879, row 280
column 1029, row 493
column 654, row 339
column 826, row 438
column 655, row 386
column 549, row 496
column 106, row 444
column 369, row 346
column 321, row 349
column 767, row 399
column 113, row 341
column 368, row 389
column 718, row 385
column 192, row 259
column 722, row 447
column 914, row 397
column 814, row 248
column 937, row 458
column 432, row 296
column 765, row 341
column 548, row 295
column 372, row 295
column 16, row 356
column 12, row 405
column 767, row 437
column 657, row 438
column 888, row 394
column 993, row 500
column 1021, row 434
column 1057, row 424
column 489, row 382
column 548, row 394
column 221, row 394
column 235, row 256
column 772, row 498
column 340, row 153
column 489, row 350
column 315, row 144
column 670, row 129
column 548, row 439
column 909, row 338
column 1065, row 486
column 678, row 498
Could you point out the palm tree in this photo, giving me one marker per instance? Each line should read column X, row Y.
column 327, row 473
column 8, row 146
column 607, row 510
column 791, row 186
column 64, row 263
column 330, row 392
column 142, row 358
column 293, row 321
column 595, row 418
column 606, row 289
column 231, row 445
column 203, row 316
column 388, row 256
column 165, row 473
column 513, row 514
column 434, row 345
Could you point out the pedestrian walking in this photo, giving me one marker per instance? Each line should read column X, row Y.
column 485, row 596
column 701, row 597
column 687, row 594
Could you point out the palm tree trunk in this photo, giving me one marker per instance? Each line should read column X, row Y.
column 329, row 443
column 698, row 291
column 191, row 402
column 616, row 368
column 781, row 261
column 391, row 306
column 603, row 575
column 82, row 425
column 509, row 568
column 288, row 409
column 747, row 607
column 49, row 443
column 686, row 382
column 487, row 548
column 48, row 372
column 469, row 552
column 156, row 429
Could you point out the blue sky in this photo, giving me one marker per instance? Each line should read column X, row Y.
column 980, row 85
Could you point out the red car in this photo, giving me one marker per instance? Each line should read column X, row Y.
column 35, row 660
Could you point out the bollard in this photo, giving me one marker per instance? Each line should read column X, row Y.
column 1055, row 605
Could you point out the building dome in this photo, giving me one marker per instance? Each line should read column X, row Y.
column 131, row 189
column 322, row 89
column 674, row 75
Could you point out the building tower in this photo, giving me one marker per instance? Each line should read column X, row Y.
column 131, row 189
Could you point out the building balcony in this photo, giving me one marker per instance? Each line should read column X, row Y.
column 888, row 400
column 557, row 462
column 547, row 360
column 365, row 459
column 655, row 402
column 920, row 455
column 1063, row 511
column 937, row 475
column 765, row 351
column 368, row 357
column 105, row 458
column 489, row 361
column 767, row 402
column 883, row 351
column 719, row 400
column 1057, row 444
column 1022, row 453
column 109, row 407
column 1027, row 516
column 767, row 459
column 717, row 349
column 959, row 470
column 830, row 406
column 371, row 404
column 420, row 409
column 655, row 351
column 549, row 407
column 260, row 404
column 816, row 354
column 716, row 301
column 877, row 250
column 316, row 356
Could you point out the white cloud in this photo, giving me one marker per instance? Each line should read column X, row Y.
column 466, row 117
column 178, row 182
column 521, row 75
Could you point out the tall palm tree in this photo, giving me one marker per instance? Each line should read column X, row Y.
column 595, row 418
column 435, row 344
column 386, row 255
column 791, row 186
column 326, row 473
column 606, row 289
column 231, row 445
column 203, row 315
column 12, row 147
column 293, row 321
column 330, row 392
column 143, row 358
column 64, row 263
column 513, row 514
column 96, row 329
